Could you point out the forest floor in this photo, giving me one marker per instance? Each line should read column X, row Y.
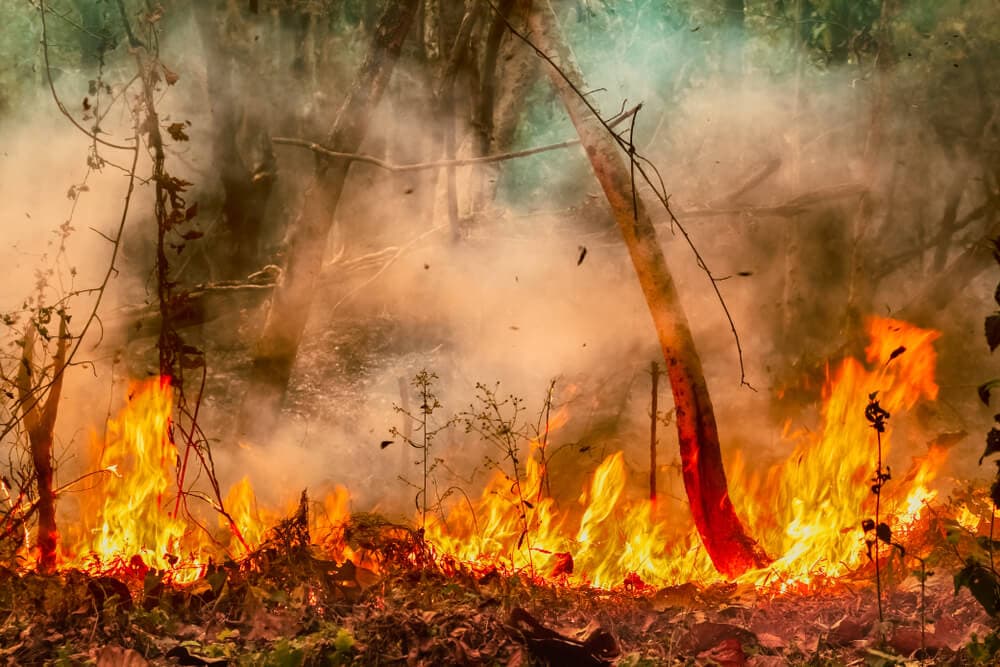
column 284, row 605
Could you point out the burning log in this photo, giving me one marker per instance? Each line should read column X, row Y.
column 732, row 551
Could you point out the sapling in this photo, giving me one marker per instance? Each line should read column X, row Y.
column 423, row 439
column 498, row 421
column 876, row 530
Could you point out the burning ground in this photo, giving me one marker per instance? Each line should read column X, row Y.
column 522, row 574
column 363, row 336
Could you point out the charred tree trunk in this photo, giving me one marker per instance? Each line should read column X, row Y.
column 732, row 551
column 279, row 343
column 40, row 421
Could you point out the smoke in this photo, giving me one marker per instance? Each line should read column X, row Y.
column 542, row 288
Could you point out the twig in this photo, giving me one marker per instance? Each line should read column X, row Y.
column 55, row 96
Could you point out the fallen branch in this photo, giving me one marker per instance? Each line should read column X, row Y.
column 761, row 175
column 209, row 301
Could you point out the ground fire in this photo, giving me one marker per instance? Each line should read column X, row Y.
column 806, row 510
column 516, row 333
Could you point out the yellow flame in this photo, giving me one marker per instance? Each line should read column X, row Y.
column 132, row 509
column 806, row 512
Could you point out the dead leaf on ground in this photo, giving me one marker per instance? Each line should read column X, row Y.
column 704, row 636
column 273, row 625
column 728, row 653
column 597, row 650
column 767, row 661
column 769, row 641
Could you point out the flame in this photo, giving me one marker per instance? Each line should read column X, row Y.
column 241, row 505
column 132, row 522
column 805, row 511
column 822, row 491
column 135, row 529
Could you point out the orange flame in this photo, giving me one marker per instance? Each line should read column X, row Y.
column 806, row 511
column 134, row 529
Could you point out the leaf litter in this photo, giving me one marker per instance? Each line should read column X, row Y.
column 288, row 604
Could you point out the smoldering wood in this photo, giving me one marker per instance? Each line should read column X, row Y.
column 731, row 549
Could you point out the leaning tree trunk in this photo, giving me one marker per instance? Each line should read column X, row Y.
column 40, row 422
column 732, row 551
column 279, row 343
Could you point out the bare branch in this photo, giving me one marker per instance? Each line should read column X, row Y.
column 388, row 166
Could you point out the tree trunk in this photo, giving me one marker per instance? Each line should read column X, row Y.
column 446, row 113
column 732, row 551
column 519, row 71
column 241, row 146
column 40, row 421
column 275, row 352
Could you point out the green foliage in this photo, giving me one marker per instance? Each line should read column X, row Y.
column 984, row 651
column 285, row 654
column 982, row 582
column 840, row 31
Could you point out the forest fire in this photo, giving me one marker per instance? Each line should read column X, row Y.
column 503, row 333
column 806, row 511
column 128, row 522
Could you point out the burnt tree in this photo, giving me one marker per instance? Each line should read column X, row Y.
column 731, row 549
column 39, row 422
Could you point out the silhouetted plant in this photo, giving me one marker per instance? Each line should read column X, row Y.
column 981, row 578
column 500, row 422
column 875, row 529
column 423, row 440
